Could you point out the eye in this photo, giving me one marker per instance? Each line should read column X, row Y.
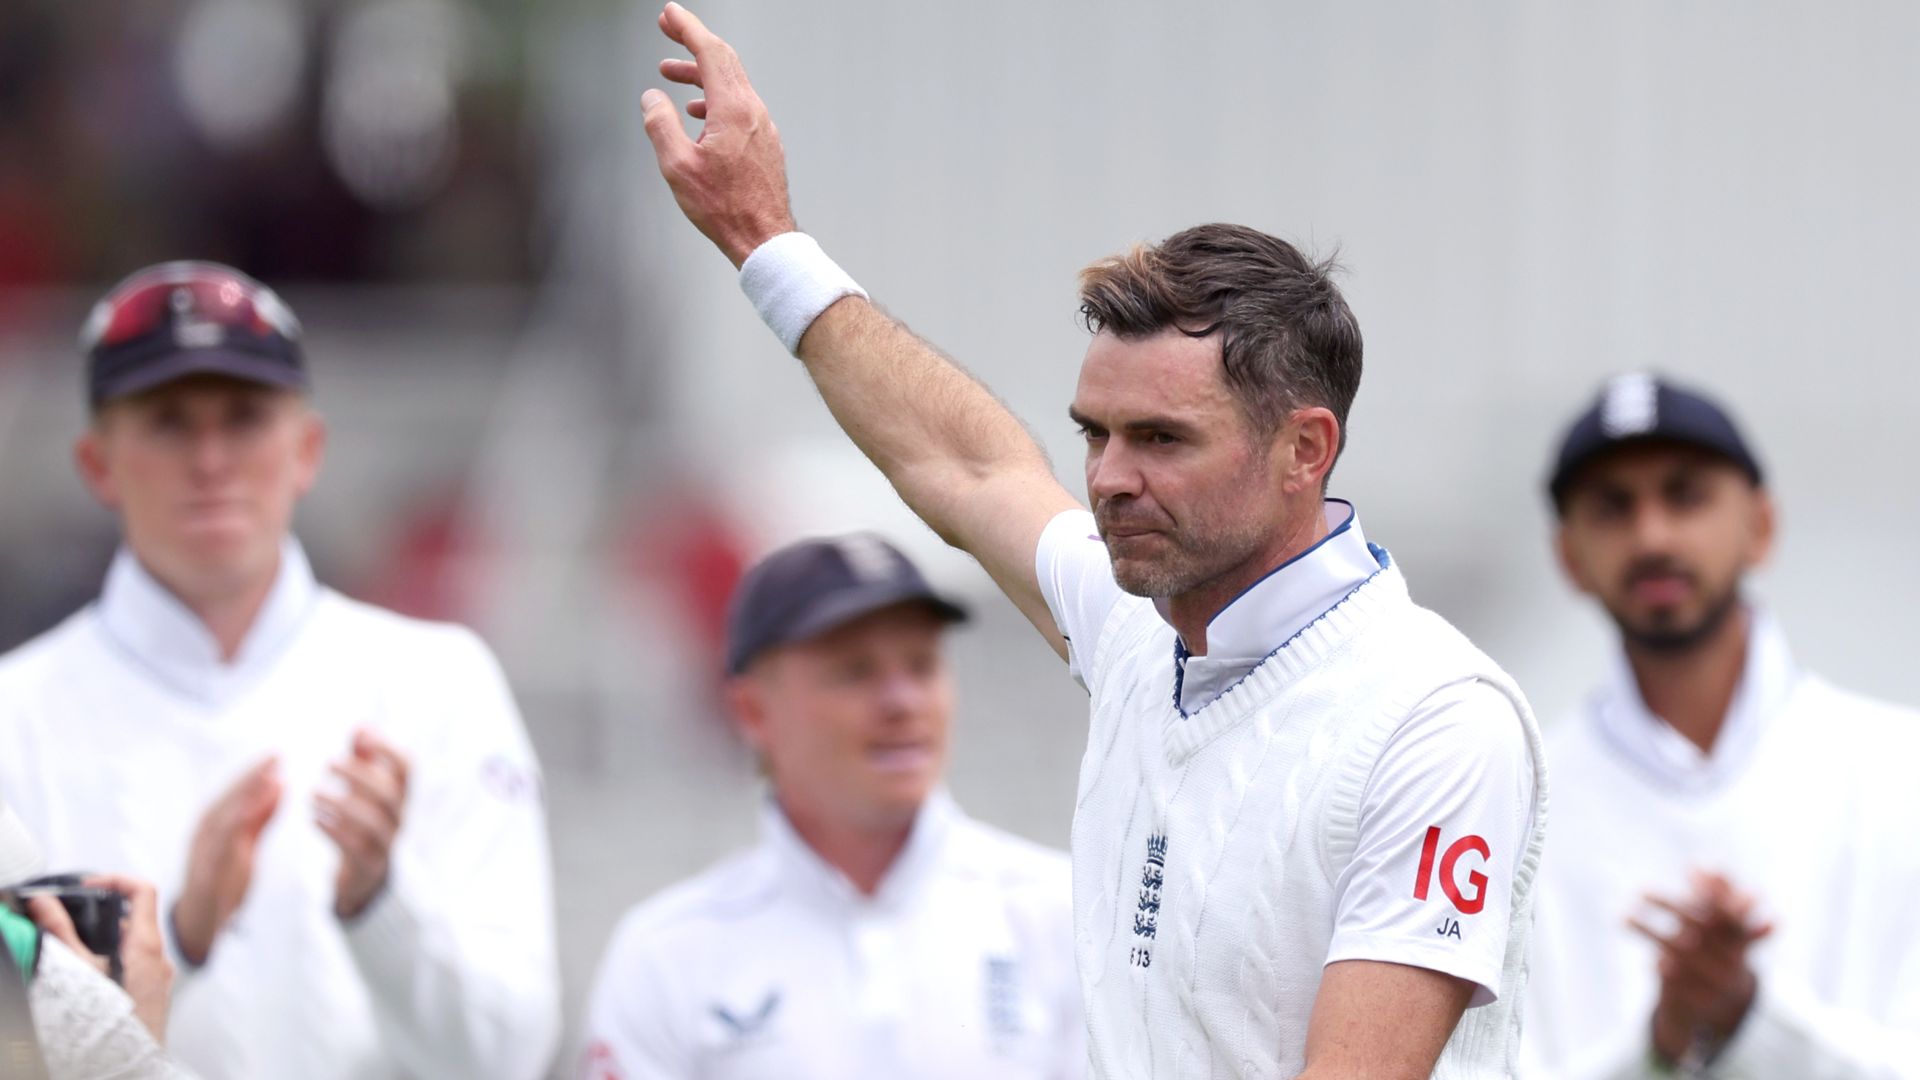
column 1091, row 433
column 167, row 420
column 1687, row 494
column 247, row 414
column 855, row 670
column 1161, row 438
column 1608, row 506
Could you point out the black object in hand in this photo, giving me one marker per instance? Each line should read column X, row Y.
column 96, row 913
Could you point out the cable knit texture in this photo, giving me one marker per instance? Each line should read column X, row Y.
column 1254, row 804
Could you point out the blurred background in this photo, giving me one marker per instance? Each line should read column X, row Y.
column 555, row 418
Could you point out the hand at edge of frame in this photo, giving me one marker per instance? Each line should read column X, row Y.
column 730, row 181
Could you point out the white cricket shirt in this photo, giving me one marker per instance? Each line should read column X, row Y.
column 772, row 966
column 121, row 724
column 1808, row 800
column 1343, row 777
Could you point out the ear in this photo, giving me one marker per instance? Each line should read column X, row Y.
column 1763, row 524
column 1307, row 447
column 90, row 461
column 312, row 450
column 746, row 699
column 1570, row 566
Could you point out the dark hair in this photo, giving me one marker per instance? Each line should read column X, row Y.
column 1288, row 339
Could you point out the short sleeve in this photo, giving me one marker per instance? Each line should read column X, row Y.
column 1076, row 577
column 630, row 1023
column 1445, row 821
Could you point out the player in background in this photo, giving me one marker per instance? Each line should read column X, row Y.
column 1730, row 890
column 1309, row 810
column 338, row 804
column 875, row 931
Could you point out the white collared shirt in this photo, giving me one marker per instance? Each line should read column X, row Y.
column 162, row 635
column 121, row 725
column 1807, row 802
column 1237, row 774
column 1767, row 679
column 1263, row 618
column 772, row 964
column 1278, row 606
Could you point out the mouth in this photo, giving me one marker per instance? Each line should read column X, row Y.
column 901, row 757
column 1661, row 590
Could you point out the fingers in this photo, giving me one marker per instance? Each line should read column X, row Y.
column 1667, row 943
column 685, row 28
column 670, row 142
column 249, row 804
column 717, row 66
column 685, row 72
column 371, row 786
column 697, row 108
column 374, row 750
column 52, row 918
column 1721, row 921
column 143, row 902
column 361, row 830
column 370, row 745
column 48, row 914
column 1724, row 901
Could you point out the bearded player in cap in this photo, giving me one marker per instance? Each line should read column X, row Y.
column 875, row 931
column 1731, row 888
column 338, row 804
column 1309, row 811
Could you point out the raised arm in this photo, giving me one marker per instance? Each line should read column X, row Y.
column 959, row 458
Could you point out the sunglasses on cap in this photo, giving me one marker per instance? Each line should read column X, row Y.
column 189, row 318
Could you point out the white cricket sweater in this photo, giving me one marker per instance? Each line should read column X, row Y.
column 772, row 966
column 1809, row 801
column 1223, row 858
column 118, row 727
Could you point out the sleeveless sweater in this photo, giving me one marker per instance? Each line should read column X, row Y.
column 1208, row 848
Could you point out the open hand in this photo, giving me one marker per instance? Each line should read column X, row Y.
column 364, row 820
column 1706, row 982
column 731, row 182
column 220, row 862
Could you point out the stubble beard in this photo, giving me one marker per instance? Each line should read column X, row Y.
column 1196, row 557
column 1668, row 639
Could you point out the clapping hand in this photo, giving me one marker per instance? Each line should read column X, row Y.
column 220, row 862
column 364, row 819
column 1707, row 983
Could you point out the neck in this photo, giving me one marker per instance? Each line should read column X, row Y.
column 862, row 854
column 228, row 609
column 1190, row 612
column 1693, row 690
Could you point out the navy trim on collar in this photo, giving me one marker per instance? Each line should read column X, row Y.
column 1352, row 516
column 1180, row 653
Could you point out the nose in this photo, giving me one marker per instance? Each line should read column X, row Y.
column 209, row 452
column 1652, row 528
column 1111, row 472
column 903, row 694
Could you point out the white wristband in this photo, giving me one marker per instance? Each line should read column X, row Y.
column 791, row 281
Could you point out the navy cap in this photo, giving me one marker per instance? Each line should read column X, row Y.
column 1647, row 408
column 806, row 589
column 189, row 318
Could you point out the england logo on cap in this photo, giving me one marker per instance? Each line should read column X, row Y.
column 1631, row 405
